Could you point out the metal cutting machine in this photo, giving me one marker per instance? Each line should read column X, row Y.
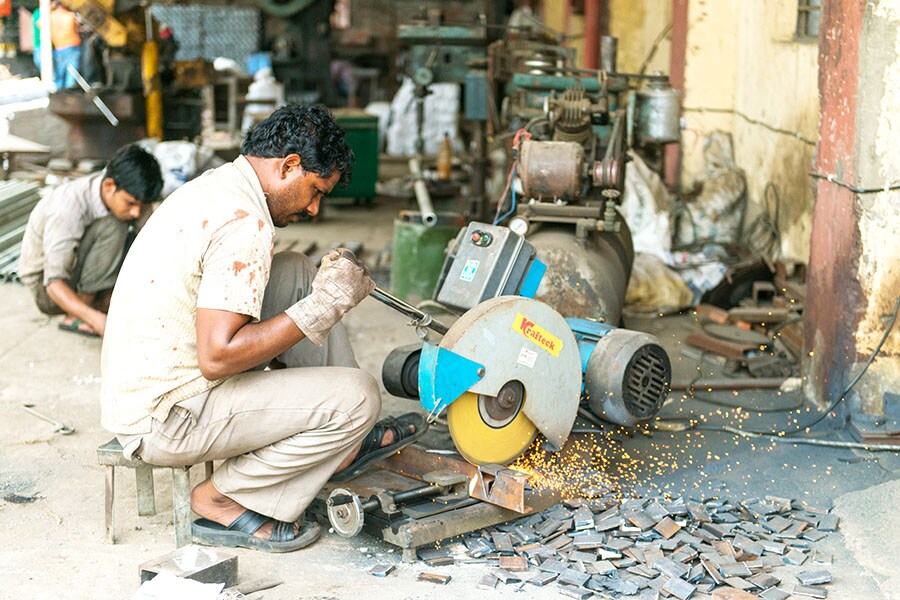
column 512, row 367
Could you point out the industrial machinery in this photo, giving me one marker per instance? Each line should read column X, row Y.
column 126, row 103
column 567, row 165
column 511, row 366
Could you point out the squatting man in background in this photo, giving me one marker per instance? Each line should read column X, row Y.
column 77, row 235
column 202, row 307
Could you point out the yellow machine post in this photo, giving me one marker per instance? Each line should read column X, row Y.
column 150, row 74
column 152, row 91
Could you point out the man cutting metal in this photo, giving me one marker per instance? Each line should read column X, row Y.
column 202, row 307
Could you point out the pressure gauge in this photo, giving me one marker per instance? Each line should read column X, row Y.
column 519, row 225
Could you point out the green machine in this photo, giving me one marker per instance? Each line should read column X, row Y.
column 361, row 129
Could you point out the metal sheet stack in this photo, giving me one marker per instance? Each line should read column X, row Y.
column 17, row 198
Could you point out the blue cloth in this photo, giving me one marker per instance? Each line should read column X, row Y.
column 37, row 58
column 61, row 59
column 257, row 61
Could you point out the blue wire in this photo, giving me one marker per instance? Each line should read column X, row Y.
column 513, row 188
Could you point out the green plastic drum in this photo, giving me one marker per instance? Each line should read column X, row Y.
column 418, row 258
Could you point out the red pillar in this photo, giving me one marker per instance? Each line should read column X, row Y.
column 834, row 297
column 676, row 76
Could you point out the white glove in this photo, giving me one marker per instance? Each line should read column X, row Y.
column 341, row 283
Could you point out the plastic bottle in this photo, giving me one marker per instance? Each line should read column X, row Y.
column 445, row 159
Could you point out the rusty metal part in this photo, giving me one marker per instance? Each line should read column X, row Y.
column 571, row 116
column 551, row 169
column 608, row 172
column 495, row 484
column 586, row 278
column 732, row 350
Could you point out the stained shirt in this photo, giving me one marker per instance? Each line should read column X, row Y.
column 55, row 228
column 209, row 245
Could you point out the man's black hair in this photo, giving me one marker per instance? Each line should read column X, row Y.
column 310, row 132
column 137, row 172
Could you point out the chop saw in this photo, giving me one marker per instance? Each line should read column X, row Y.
column 510, row 367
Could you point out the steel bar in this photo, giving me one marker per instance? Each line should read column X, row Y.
column 423, row 319
column 429, row 217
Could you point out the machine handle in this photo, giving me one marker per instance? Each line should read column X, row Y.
column 422, row 319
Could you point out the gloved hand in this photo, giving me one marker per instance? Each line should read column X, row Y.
column 341, row 283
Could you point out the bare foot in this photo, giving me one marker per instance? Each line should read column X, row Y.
column 211, row 504
column 386, row 440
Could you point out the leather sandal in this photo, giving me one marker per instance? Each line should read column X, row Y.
column 239, row 534
column 372, row 450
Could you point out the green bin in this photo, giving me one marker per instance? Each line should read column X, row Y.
column 418, row 257
column 361, row 130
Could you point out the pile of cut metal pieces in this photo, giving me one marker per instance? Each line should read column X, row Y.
column 609, row 548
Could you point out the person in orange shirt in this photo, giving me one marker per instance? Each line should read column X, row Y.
column 66, row 45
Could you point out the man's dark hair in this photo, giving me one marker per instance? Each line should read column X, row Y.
column 310, row 132
column 137, row 172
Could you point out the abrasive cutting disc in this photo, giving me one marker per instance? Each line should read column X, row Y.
column 531, row 380
column 479, row 442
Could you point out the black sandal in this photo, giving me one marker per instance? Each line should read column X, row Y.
column 372, row 450
column 239, row 534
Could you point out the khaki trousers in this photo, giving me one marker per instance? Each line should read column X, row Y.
column 100, row 255
column 283, row 433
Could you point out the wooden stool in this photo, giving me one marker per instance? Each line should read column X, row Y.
column 110, row 456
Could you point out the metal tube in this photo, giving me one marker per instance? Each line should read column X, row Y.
column 409, row 310
column 429, row 217
column 591, row 33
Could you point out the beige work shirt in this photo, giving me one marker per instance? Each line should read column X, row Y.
column 209, row 245
column 55, row 228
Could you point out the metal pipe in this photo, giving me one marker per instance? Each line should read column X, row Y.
column 591, row 33
column 429, row 217
column 423, row 319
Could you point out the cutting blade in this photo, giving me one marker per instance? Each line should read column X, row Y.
column 482, row 443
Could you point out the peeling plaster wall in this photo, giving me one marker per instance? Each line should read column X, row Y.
column 878, row 163
column 742, row 57
column 710, row 77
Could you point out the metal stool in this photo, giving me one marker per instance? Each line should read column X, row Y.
column 110, row 456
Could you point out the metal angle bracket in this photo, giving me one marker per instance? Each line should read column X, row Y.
column 444, row 376
column 495, row 484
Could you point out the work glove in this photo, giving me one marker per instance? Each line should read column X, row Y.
column 341, row 283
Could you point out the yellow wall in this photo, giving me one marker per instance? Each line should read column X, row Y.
column 742, row 57
column 637, row 24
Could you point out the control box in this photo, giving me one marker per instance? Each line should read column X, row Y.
column 487, row 261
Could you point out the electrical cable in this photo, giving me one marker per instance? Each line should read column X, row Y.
column 513, row 207
column 858, row 375
column 752, row 121
column 662, row 35
column 813, row 441
column 856, row 190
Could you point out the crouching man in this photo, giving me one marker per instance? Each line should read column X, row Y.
column 75, row 238
column 202, row 306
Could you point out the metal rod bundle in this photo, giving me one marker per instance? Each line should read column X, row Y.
column 17, row 199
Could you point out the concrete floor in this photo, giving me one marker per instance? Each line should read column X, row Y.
column 52, row 546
